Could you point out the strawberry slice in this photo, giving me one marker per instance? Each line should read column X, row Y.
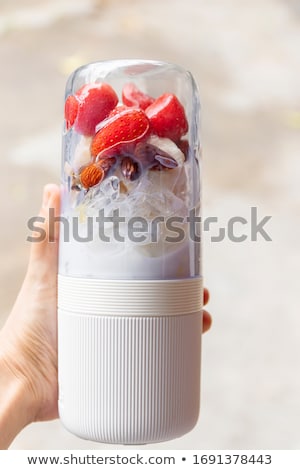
column 117, row 110
column 167, row 117
column 71, row 110
column 90, row 105
column 118, row 133
column 132, row 96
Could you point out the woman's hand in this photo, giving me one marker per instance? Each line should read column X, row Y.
column 28, row 340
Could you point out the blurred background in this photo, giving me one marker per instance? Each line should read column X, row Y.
column 245, row 58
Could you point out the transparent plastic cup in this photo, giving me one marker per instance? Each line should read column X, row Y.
column 130, row 283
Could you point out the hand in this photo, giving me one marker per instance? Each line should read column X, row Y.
column 28, row 340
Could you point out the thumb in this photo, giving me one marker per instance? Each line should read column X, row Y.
column 44, row 240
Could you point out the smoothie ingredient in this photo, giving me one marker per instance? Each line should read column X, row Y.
column 167, row 147
column 117, row 133
column 71, row 110
column 91, row 175
column 167, row 117
column 132, row 96
column 123, row 141
column 130, row 169
column 107, row 164
column 90, row 105
column 167, row 162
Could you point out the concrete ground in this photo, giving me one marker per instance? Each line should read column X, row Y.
column 245, row 58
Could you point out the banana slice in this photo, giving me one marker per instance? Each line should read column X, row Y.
column 82, row 154
column 167, row 146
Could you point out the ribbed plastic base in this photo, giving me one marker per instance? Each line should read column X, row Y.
column 129, row 379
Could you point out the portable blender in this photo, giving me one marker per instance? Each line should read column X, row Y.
column 129, row 283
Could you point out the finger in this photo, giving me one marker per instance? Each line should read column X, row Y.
column 44, row 239
column 206, row 322
column 205, row 296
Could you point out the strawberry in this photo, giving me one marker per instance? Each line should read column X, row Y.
column 90, row 105
column 117, row 110
column 132, row 96
column 120, row 132
column 71, row 110
column 167, row 117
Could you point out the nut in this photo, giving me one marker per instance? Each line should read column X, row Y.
column 91, row 175
column 106, row 164
column 130, row 169
column 166, row 161
column 184, row 146
column 123, row 188
column 145, row 153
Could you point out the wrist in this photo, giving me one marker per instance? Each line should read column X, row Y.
column 16, row 407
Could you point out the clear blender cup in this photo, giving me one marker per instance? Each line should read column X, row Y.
column 129, row 283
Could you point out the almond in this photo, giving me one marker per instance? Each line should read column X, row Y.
column 91, row 175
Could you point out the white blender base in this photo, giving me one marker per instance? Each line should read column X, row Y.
column 128, row 379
